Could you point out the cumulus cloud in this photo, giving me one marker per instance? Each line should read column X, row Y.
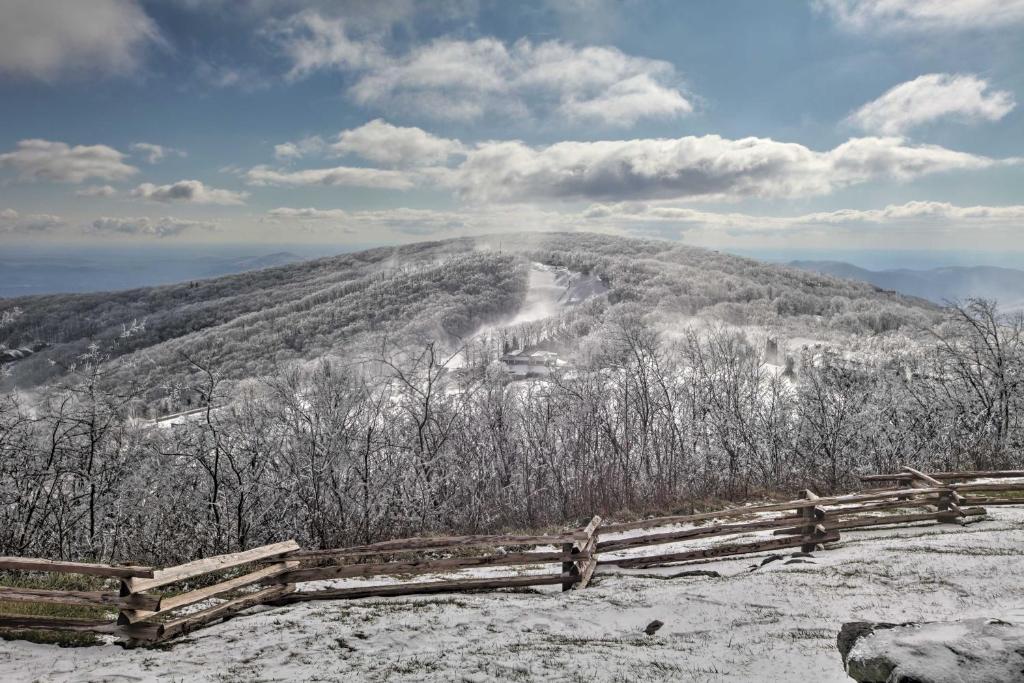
column 96, row 191
column 466, row 79
column 383, row 143
column 704, row 167
column 155, row 153
column 923, row 15
column 49, row 160
column 338, row 176
column 930, row 97
column 48, row 39
column 13, row 222
column 146, row 227
column 289, row 151
column 626, row 101
column 707, row 167
column 192, row 191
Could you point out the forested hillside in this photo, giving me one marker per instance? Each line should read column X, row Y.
column 245, row 325
column 357, row 398
column 674, row 278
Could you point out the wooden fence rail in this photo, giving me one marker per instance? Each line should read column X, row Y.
column 575, row 553
column 150, row 603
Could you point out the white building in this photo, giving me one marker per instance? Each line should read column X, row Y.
column 521, row 363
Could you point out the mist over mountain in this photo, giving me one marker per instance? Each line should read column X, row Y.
column 940, row 285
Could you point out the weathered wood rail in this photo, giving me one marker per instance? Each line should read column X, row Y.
column 575, row 555
column 147, row 605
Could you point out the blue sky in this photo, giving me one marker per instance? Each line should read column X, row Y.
column 746, row 124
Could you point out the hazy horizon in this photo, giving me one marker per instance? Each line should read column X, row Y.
column 54, row 268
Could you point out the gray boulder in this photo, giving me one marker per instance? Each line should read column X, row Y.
column 988, row 650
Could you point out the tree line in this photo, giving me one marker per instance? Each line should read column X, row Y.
column 407, row 439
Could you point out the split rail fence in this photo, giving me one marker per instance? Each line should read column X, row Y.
column 147, row 605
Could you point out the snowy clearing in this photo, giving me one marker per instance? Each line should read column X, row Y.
column 776, row 623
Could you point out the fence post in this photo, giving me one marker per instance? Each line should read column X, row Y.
column 587, row 566
column 949, row 500
column 568, row 566
column 814, row 518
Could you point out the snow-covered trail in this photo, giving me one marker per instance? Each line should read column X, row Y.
column 551, row 289
column 777, row 623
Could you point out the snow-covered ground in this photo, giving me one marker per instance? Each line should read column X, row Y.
column 778, row 623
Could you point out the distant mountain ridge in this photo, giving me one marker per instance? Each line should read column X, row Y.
column 249, row 324
column 1005, row 285
column 68, row 272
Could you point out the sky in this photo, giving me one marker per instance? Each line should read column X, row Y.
column 735, row 124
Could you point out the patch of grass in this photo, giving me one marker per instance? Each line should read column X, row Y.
column 415, row 665
column 411, row 605
column 59, row 638
column 964, row 550
column 809, row 634
column 580, row 641
column 342, row 644
column 67, row 582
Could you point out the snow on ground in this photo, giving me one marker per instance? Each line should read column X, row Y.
column 776, row 623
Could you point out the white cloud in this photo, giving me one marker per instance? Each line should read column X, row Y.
column 409, row 221
column 627, row 101
column 930, row 97
column 464, row 80
column 289, row 151
column 192, row 191
column 48, row 160
column 338, row 176
column 243, row 78
column 657, row 217
column 925, row 215
column 924, row 211
column 923, row 15
column 146, row 227
column 13, row 222
column 308, row 214
column 96, row 191
column 384, row 143
column 155, row 153
column 399, row 220
column 312, row 42
column 47, row 39
column 707, row 167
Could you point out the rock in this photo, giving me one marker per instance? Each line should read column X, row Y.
column 799, row 561
column 770, row 558
column 988, row 650
column 653, row 627
column 694, row 572
column 853, row 631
